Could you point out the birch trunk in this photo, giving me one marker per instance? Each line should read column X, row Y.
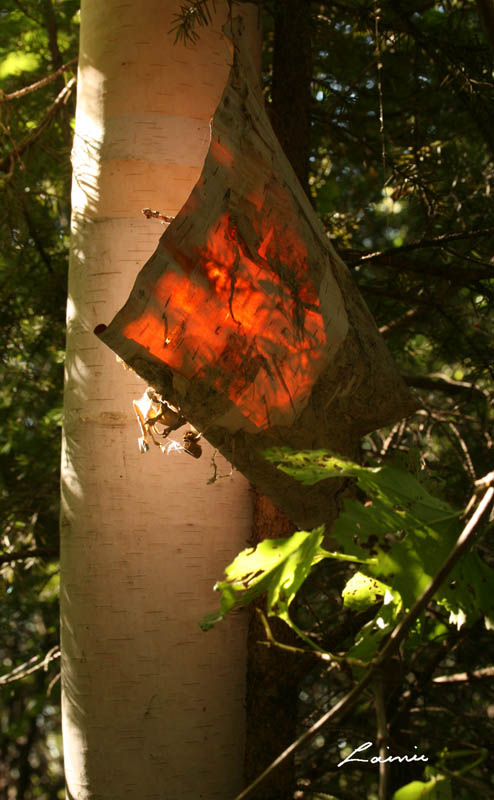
column 152, row 707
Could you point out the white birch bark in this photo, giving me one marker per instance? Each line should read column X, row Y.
column 152, row 707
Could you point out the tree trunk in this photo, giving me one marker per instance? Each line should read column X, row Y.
column 152, row 707
column 292, row 78
column 273, row 677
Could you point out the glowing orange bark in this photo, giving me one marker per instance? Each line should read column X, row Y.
column 228, row 316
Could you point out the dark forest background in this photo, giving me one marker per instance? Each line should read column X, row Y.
column 386, row 111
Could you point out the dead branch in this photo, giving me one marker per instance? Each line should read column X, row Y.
column 402, row 321
column 29, row 667
column 470, row 469
column 461, row 677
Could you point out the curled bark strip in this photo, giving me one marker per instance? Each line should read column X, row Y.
column 268, row 341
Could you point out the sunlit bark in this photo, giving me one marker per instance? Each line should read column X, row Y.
column 152, row 707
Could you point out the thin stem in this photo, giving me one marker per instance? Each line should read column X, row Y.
column 437, row 241
column 26, row 669
column 462, row 544
column 382, row 737
column 460, row 677
column 377, row 12
column 272, row 642
column 343, row 706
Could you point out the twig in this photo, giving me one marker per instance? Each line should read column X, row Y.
column 470, row 259
column 24, row 669
column 402, row 321
column 460, row 677
column 52, row 683
column 438, row 381
column 377, row 52
column 4, row 98
column 61, row 99
column 477, row 787
column 150, row 214
column 382, row 736
column 272, row 642
column 470, row 469
column 396, row 430
column 436, row 241
column 344, row 705
column 430, row 268
column 485, row 482
column 397, row 636
column 462, row 544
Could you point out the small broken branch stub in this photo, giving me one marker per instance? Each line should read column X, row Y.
column 247, row 321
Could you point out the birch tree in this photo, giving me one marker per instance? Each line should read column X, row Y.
column 151, row 708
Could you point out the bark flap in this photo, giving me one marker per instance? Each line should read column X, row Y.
column 247, row 320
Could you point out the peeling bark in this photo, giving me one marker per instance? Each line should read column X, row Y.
column 247, row 320
column 152, row 707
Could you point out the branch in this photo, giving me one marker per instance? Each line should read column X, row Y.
column 468, row 463
column 25, row 669
column 313, row 653
column 61, row 99
column 463, row 543
column 403, row 321
column 390, row 259
column 343, row 706
column 438, row 381
column 355, row 257
column 272, row 642
column 382, row 737
column 397, row 636
column 459, row 677
column 4, row 98
column 485, row 482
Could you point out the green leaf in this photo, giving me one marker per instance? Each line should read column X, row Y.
column 361, row 592
column 436, row 789
column 277, row 567
column 369, row 637
column 402, row 535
